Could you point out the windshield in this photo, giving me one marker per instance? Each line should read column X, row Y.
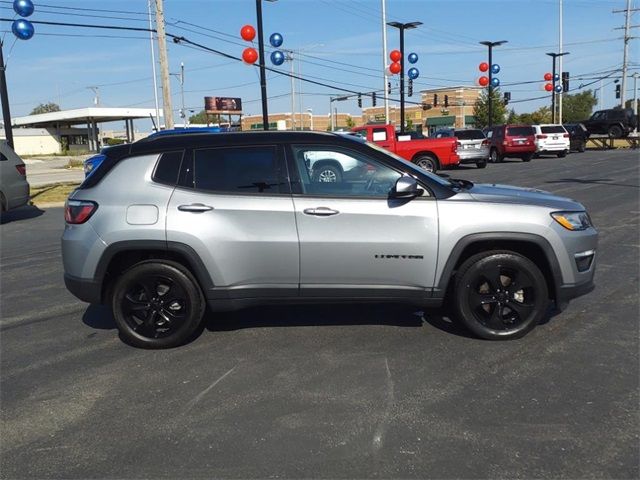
column 519, row 131
column 412, row 167
column 553, row 129
column 469, row 134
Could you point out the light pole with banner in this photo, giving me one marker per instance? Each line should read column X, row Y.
column 490, row 85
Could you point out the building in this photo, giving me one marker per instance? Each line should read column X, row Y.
column 306, row 121
column 432, row 114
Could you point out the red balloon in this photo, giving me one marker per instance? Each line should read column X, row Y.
column 250, row 55
column 248, row 33
column 548, row 77
column 484, row 66
column 394, row 67
column 483, row 81
column 395, row 56
column 548, row 87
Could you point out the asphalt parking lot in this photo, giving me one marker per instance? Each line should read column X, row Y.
column 330, row 391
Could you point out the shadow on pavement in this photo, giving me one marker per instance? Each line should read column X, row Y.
column 592, row 181
column 99, row 316
column 21, row 213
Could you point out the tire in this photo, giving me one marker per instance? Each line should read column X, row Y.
column 427, row 162
column 562, row 154
column 528, row 157
column 487, row 298
column 327, row 174
column 481, row 164
column 615, row 131
column 494, row 156
column 157, row 304
column 582, row 147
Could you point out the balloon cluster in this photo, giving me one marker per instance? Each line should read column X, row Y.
column 483, row 80
column 250, row 55
column 395, row 67
column 22, row 28
column 550, row 86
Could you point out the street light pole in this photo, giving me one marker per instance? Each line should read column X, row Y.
column 402, row 27
column 4, row 97
column 490, row 45
column 263, row 72
column 310, row 112
column 553, row 82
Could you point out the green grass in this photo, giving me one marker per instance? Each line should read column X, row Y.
column 51, row 193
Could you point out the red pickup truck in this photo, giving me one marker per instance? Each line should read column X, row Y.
column 429, row 153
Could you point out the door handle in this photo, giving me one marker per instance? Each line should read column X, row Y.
column 321, row 211
column 195, row 208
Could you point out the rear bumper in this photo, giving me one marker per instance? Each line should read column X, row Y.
column 86, row 290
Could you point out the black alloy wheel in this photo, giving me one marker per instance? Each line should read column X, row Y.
column 615, row 131
column 500, row 295
column 157, row 304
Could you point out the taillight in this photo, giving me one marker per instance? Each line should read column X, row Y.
column 78, row 211
column 485, row 143
column 454, row 147
column 541, row 137
column 566, row 135
column 22, row 170
column 505, row 143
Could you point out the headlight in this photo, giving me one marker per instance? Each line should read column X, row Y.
column 573, row 220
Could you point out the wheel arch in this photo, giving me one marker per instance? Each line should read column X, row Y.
column 534, row 247
column 119, row 256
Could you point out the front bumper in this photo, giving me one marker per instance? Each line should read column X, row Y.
column 565, row 293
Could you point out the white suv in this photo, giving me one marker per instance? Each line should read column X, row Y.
column 553, row 139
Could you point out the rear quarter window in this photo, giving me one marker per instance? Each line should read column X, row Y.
column 168, row 168
column 520, row 131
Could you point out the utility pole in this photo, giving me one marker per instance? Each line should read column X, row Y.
column 385, row 78
column 180, row 77
column 635, row 97
column 627, row 12
column 560, row 96
column 6, row 113
column 164, row 67
column 289, row 58
column 153, row 67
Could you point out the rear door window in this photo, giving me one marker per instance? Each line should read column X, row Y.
column 239, row 170
column 520, row 131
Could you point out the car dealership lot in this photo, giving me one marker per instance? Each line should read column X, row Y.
column 330, row 391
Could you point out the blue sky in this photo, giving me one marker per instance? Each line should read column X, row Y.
column 59, row 68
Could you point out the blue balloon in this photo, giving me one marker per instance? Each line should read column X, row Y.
column 495, row 68
column 495, row 82
column 277, row 57
column 413, row 73
column 276, row 40
column 23, row 29
column 556, row 77
column 413, row 57
column 24, row 8
column 558, row 88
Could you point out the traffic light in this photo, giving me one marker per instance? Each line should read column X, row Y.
column 359, row 101
column 618, row 91
column 435, row 99
column 565, row 81
column 373, row 99
column 389, row 88
column 410, row 90
column 446, row 101
column 507, row 98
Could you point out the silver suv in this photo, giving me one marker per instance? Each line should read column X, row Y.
column 165, row 227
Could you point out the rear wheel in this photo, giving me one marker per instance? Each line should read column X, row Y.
column 528, row 157
column 562, row 154
column 615, row 131
column 582, row 147
column 481, row 163
column 427, row 162
column 157, row 304
column 494, row 156
column 500, row 295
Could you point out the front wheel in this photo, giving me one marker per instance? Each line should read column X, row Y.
column 157, row 304
column 500, row 295
column 427, row 162
column 327, row 174
column 615, row 131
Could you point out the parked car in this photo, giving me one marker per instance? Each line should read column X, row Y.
column 169, row 226
column 473, row 146
column 578, row 136
column 14, row 188
column 431, row 154
column 515, row 141
column 552, row 139
column 615, row 122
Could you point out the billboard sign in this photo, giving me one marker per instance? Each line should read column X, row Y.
column 222, row 105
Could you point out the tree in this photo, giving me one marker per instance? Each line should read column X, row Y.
column 45, row 108
column 513, row 117
column 201, row 118
column 542, row 115
column 481, row 108
column 578, row 107
column 350, row 122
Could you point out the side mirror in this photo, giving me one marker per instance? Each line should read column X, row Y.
column 406, row 187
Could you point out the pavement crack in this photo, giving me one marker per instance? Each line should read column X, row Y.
column 199, row 397
column 384, row 421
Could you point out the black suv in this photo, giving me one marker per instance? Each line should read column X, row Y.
column 615, row 122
